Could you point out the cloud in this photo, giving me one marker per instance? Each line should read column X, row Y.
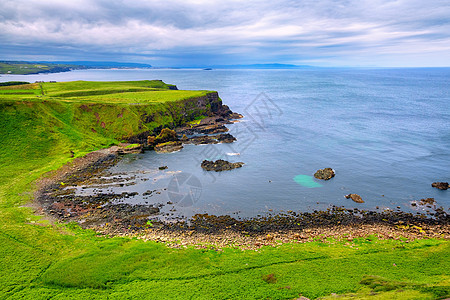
column 345, row 32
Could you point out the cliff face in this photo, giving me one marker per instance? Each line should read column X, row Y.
column 76, row 128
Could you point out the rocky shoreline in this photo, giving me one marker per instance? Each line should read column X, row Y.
column 104, row 213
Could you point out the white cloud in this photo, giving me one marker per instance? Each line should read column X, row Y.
column 287, row 30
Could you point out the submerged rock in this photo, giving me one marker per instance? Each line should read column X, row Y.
column 440, row 185
column 324, row 174
column 168, row 147
column 355, row 197
column 220, row 165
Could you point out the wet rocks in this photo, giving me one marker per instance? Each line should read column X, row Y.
column 426, row 201
column 355, row 197
column 202, row 140
column 324, row 174
column 211, row 139
column 440, row 185
column 168, row 147
column 211, row 129
column 162, row 167
column 220, row 165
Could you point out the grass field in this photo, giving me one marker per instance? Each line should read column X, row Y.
column 40, row 260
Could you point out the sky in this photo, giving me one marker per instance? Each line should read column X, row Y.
column 360, row 33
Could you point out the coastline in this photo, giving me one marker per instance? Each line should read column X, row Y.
column 205, row 231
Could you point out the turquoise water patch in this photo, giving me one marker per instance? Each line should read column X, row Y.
column 306, row 181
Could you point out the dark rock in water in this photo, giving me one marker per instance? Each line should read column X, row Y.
column 220, row 165
column 324, row 174
column 211, row 129
column 202, row 140
column 427, row 201
column 168, row 147
column 355, row 197
column 163, row 167
column 440, row 185
column 225, row 138
column 211, row 139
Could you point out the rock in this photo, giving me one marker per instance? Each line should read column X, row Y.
column 184, row 138
column 355, row 197
column 168, row 147
column 210, row 129
column 163, row 168
column 202, row 140
column 324, row 174
column 166, row 135
column 440, row 185
column 225, row 138
column 427, row 201
column 129, row 148
column 220, row 165
column 211, row 139
column 151, row 140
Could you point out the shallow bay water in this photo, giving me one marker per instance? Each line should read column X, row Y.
column 386, row 133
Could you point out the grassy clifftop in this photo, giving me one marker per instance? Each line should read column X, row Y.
column 41, row 123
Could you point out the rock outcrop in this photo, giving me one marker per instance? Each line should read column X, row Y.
column 324, row 174
column 220, row 165
column 169, row 147
column 129, row 148
column 440, row 185
column 355, row 197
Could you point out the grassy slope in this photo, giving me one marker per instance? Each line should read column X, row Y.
column 40, row 261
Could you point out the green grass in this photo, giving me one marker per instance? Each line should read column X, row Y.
column 41, row 261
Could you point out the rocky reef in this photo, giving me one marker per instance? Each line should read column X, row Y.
column 325, row 174
column 220, row 165
column 440, row 185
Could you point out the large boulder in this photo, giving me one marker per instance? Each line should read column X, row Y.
column 440, row 185
column 355, row 197
column 220, row 165
column 324, row 174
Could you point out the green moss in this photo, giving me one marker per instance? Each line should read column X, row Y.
column 132, row 146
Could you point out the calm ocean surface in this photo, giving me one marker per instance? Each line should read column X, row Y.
column 386, row 132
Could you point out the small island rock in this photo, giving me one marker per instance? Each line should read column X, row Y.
column 440, row 185
column 220, row 165
column 324, row 174
column 355, row 197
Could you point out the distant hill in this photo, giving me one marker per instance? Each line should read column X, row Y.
column 36, row 67
column 103, row 64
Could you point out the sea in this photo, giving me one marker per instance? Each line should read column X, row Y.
column 385, row 132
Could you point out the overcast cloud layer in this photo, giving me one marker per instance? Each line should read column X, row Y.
column 196, row 32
